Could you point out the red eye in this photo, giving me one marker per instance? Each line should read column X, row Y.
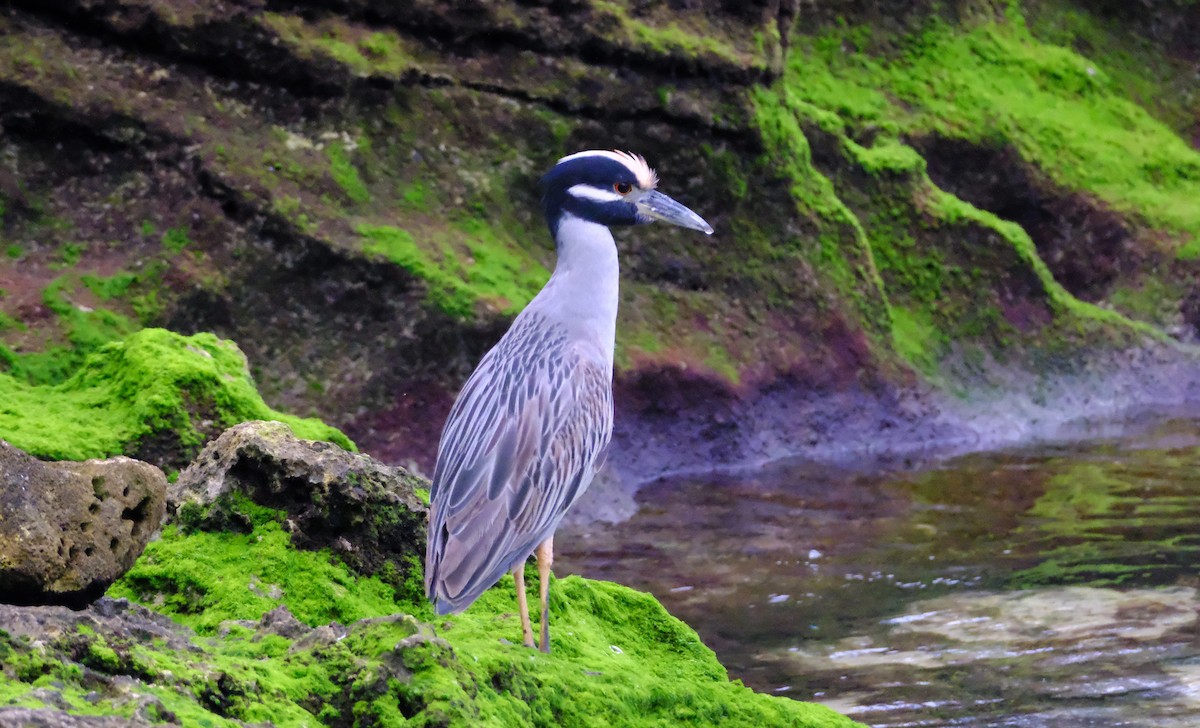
column 623, row 187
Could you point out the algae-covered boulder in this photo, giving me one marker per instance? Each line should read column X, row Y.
column 155, row 395
column 68, row 530
column 370, row 656
column 623, row 661
column 367, row 512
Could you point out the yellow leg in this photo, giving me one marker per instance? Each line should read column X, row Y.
column 545, row 558
column 523, row 604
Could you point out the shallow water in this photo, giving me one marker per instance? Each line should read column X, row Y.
column 1050, row 586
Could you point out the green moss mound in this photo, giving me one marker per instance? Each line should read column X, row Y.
column 619, row 658
column 203, row 579
column 156, row 394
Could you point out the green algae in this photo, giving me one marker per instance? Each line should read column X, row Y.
column 995, row 81
column 203, row 579
column 842, row 251
column 498, row 270
column 671, row 39
column 343, row 171
column 89, row 311
column 951, row 208
column 1139, row 66
column 291, row 209
column 416, row 195
column 916, row 339
column 904, row 253
column 467, row 266
column 619, row 658
column 237, row 678
column 175, row 240
column 8, row 322
column 447, row 290
column 366, row 52
column 86, row 329
column 1149, row 300
column 83, row 328
column 107, row 288
column 136, row 395
column 68, row 256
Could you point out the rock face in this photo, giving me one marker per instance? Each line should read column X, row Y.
column 348, row 190
column 68, row 530
column 366, row 512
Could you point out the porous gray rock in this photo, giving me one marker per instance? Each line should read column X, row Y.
column 366, row 512
column 117, row 618
column 279, row 621
column 69, row 529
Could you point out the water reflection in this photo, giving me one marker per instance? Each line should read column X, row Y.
column 1052, row 586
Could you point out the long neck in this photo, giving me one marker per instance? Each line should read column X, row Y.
column 582, row 292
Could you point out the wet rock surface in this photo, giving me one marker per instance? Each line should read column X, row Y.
column 366, row 512
column 117, row 618
column 68, row 530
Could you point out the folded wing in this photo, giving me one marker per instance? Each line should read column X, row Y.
column 521, row 445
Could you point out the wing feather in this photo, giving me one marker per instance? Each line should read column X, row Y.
column 520, row 446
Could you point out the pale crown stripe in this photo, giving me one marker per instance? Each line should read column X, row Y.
column 636, row 164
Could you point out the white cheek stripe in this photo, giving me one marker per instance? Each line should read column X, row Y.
column 591, row 192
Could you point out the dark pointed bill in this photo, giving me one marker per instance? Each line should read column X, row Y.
column 657, row 206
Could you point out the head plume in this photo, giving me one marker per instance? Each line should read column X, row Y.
column 636, row 163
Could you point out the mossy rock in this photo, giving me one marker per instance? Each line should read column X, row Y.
column 155, row 395
column 619, row 658
column 371, row 515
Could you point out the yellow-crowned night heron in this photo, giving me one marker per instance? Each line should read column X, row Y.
column 532, row 423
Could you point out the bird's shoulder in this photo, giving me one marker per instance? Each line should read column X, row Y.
column 537, row 378
column 538, row 349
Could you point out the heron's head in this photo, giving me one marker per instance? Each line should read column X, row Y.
column 610, row 188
